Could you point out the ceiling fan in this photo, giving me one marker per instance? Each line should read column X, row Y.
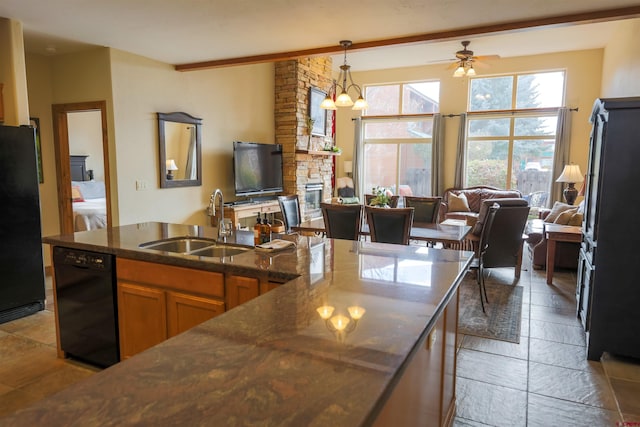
column 466, row 60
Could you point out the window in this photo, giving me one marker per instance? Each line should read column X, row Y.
column 511, row 130
column 397, row 134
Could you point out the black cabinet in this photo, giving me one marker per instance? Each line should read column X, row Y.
column 608, row 289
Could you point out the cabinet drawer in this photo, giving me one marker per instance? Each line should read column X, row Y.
column 270, row 209
column 171, row 277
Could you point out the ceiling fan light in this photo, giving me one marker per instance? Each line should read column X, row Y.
column 328, row 104
column 344, row 100
column 360, row 104
column 459, row 72
column 471, row 72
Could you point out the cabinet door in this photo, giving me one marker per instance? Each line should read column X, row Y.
column 186, row 311
column 240, row 290
column 142, row 318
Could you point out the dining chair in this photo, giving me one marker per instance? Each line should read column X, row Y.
column 393, row 200
column 483, row 245
column 426, row 209
column 290, row 208
column 389, row 225
column 342, row 221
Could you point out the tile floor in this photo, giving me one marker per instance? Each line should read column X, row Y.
column 544, row 380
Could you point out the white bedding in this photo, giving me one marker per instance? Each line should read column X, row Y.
column 90, row 214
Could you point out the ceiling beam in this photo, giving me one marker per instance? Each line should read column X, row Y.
column 438, row 36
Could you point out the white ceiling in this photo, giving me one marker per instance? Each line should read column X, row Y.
column 186, row 31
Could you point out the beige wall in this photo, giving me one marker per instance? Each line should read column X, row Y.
column 85, row 138
column 621, row 65
column 12, row 73
column 583, row 87
column 233, row 103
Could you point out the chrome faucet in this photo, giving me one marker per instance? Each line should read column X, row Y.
column 212, row 206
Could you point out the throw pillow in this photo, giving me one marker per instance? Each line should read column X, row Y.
column 557, row 209
column 458, row 203
column 76, row 195
column 576, row 219
column 564, row 217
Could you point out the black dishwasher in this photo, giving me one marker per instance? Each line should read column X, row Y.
column 86, row 305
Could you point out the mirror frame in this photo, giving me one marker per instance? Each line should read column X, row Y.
column 179, row 117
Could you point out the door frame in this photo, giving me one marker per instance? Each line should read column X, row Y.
column 63, row 167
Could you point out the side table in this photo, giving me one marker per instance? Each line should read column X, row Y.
column 558, row 233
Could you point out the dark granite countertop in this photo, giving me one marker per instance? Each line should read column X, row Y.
column 272, row 360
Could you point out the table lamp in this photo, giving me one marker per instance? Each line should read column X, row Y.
column 570, row 174
column 171, row 166
column 348, row 168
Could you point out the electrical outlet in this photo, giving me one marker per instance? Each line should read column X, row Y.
column 141, row 184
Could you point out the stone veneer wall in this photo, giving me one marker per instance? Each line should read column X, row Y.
column 292, row 82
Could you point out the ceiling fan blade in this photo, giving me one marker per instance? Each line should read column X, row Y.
column 486, row 57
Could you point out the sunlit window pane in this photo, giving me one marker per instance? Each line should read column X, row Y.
column 382, row 100
column 531, row 126
column 540, row 90
column 415, row 170
column 491, row 93
column 487, row 163
column 489, row 127
column 380, row 166
column 532, row 166
column 421, row 97
column 398, row 129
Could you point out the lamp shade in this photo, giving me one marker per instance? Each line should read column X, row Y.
column 171, row 165
column 348, row 166
column 570, row 173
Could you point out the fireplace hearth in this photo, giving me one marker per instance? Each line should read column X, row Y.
column 312, row 199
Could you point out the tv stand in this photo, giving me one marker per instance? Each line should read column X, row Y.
column 261, row 199
column 247, row 210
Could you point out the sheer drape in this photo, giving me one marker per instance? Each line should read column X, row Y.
column 561, row 154
column 461, row 152
column 357, row 157
column 437, row 156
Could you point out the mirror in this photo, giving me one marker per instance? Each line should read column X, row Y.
column 179, row 135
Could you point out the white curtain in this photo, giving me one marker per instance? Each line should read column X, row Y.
column 461, row 153
column 357, row 158
column 561, row 154
column 437, row 156
column 191, row 170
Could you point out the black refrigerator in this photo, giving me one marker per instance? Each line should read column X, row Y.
column 21, row 268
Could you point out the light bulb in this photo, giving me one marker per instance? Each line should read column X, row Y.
column 344, row 100
column 325, row 311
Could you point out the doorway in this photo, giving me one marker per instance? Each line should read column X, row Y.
column 70, row 120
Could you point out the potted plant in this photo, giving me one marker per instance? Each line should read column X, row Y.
column 381, row 197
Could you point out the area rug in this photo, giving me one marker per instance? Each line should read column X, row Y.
column 503, row 312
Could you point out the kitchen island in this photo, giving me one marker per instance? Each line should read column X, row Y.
column 285, row 358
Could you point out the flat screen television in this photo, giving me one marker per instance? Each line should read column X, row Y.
column 257, row 168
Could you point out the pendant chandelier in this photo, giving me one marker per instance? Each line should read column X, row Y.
column 465, row 68
column 343, row 99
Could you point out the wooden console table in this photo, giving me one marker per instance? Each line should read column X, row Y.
column 246, row 210
column 558, row 233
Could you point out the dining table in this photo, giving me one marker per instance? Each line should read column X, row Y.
column 445, row 233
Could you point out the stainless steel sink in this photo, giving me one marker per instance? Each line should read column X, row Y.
column 195, row 246
column 220, row 251
column 178, row 245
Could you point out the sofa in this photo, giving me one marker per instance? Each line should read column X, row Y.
column 465, row 203
column 566, row 252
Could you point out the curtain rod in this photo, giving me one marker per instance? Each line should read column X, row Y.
column 472, row 113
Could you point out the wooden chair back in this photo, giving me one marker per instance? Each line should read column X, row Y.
column 426, row 209
column 342, row 221
column 389, row 225
column 290, row 208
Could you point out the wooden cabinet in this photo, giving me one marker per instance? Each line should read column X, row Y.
column 425, row 393
column 157, row 301
column 241, row 289
column 607, row 291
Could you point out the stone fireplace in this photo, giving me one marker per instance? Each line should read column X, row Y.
column 304, row 161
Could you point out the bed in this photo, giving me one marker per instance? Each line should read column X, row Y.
column 89, row 205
